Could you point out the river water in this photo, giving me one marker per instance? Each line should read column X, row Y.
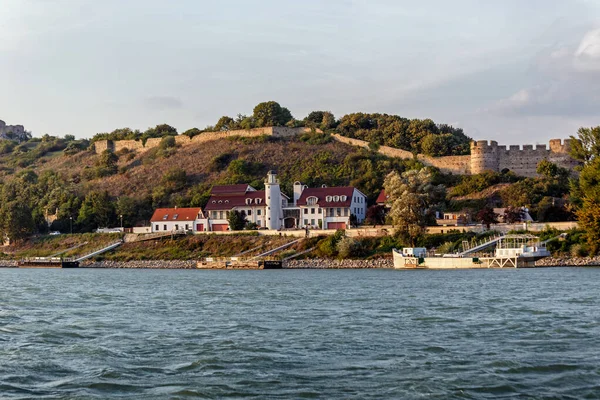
column 468, row 334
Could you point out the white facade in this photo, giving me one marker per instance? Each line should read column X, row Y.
column 274, row 211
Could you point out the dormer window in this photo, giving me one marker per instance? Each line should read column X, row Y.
column 166, row 216
column 336, row 198
column 220, row 201
column 343, row 198
column 226, row 201
column 311, row 201
column 328, row 198
column 214, row 202
column 248, row 201
column 175, row 216
column 258, row 201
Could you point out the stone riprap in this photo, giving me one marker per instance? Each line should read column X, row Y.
column 338, row 264
column 143, row 264
column 568, row 262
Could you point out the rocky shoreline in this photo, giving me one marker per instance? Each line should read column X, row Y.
column 339, row 264
column 568, row 262
column 294, row 264
column 142, row 264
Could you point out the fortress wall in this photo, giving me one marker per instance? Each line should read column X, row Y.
column 102, row 145
column 152, row 142
column 134, row 145
column 385, row 150
column 522, row 161
column 460, row 165
column 182, row 140
column 278, row 131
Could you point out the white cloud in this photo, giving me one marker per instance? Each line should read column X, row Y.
column 587, row 56
column 568, row 83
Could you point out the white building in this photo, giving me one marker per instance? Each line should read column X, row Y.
column 329, row 207
column 177, row 219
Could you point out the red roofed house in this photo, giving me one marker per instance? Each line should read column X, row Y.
column 177, row 219
column 329, row 207
column 262, row 207
column 382, row 199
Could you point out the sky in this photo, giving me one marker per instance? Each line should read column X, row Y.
column 515, row 71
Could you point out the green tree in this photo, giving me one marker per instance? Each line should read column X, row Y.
column 192, row 132
column 237, row 220
column 586, row 148
column 97, row 211
column 486, row 216
column 17, row 221
column 270, row 113
column 107, row 164
column 225, row 123
column 413, row 198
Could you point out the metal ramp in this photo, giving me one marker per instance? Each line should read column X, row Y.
column 67, row 250
column 275, row 250
column 98, row 252
column 481, row 246
column 160, row 235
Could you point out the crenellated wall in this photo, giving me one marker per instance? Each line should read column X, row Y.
column 523, row 161
column 485, row 156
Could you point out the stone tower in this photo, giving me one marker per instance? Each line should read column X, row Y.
column 484, row 156
column 274, row 213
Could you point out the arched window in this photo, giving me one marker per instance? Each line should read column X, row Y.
column 311, row 201
column 328, row 198
column 343, row 198
column 336, row 198
column 248, row 201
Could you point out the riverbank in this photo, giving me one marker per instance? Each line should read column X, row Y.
column 338, row 264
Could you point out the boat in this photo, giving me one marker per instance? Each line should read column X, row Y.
column 516, row 251
column 47, row 262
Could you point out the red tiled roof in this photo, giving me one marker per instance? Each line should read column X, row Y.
column 231, row 189
column 175, row 214
column 322, row 193
column 382, row 198
column 228, row 201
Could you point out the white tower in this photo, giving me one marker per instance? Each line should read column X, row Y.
column 273, row 201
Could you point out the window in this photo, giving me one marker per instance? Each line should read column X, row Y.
column 156, row 228
column 220, row 214
column 345, row 212
column 258, row 212
column 249, row 212
column 165, row 227
column 306, row 211
column 187, row 227
column 305, row 222
column 312, row 210
column 166, row 216
column 248, row 201
column 311, row 201
column 328, row 198
column 343, row 198
column 175, row 216
column 336, row 198
column 320, row 211
column 176, row 227
column 312, row 222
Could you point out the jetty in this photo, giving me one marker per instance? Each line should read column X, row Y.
column 64, row 262
column 511, row 251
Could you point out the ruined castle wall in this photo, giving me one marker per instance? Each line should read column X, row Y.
column 279, row 131
column 522, row 162
column 102, row 145
column 133, row 145
column 152, row 142
column 385, row 150
column 459, row 165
